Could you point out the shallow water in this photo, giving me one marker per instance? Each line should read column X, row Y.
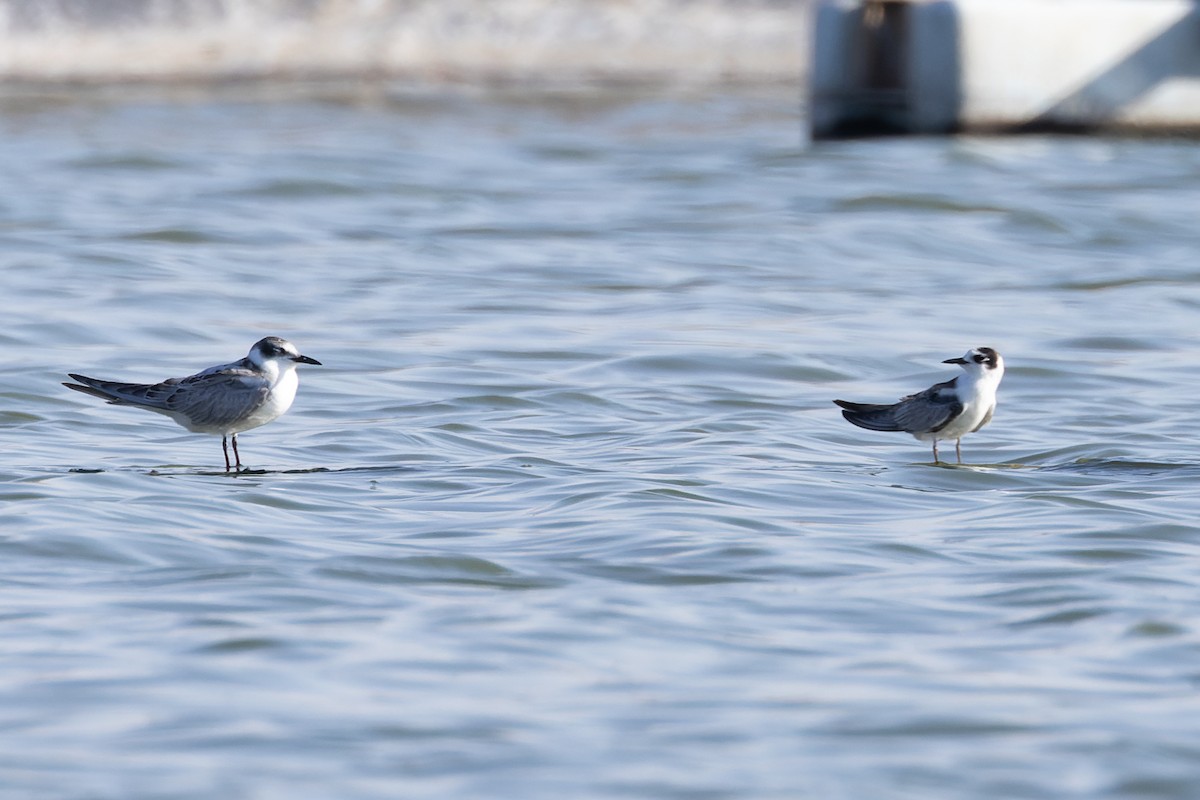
column 567, row 512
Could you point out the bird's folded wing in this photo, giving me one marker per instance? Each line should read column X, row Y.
column 216, row 399
column 930, row 410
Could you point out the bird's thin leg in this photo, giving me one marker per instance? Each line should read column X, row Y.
column 936, row 460
column 225, row 449
column 237, row 457
column 958, row 449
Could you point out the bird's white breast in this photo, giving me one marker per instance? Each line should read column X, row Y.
column 978, row 397
column 278, row 400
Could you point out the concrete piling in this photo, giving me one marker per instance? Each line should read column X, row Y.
column 942, row 66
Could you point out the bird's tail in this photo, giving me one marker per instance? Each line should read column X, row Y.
column 870, row 415
column 115, row 392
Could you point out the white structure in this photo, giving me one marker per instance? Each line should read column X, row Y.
column 937, row 66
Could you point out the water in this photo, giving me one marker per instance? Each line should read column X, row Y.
column 568, row 511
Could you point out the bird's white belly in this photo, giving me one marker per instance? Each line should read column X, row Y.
column 278, row 401
column 972, row 415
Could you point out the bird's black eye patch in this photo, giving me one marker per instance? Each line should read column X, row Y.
column 979, row 358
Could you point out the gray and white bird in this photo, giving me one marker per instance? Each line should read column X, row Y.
column 225, row 399
column 948, row 410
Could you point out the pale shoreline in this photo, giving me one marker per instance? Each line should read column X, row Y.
column 572, row 41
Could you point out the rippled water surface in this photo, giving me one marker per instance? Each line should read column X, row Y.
column 567, row 512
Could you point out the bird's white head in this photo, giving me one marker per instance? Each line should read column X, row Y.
column 274, row 354
column 980, row 362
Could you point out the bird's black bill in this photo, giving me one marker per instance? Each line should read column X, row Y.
column 306, row 360
column 959, row 360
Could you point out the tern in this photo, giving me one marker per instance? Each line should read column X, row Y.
column 225, row 399
column 948, row 410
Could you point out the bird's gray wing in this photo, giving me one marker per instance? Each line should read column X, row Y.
column 241, row 365
column 216, row 399
column 928, row 411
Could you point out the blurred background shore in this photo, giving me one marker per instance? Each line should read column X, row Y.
column 541, row 41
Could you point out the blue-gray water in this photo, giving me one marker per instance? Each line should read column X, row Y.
column 567, row 512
